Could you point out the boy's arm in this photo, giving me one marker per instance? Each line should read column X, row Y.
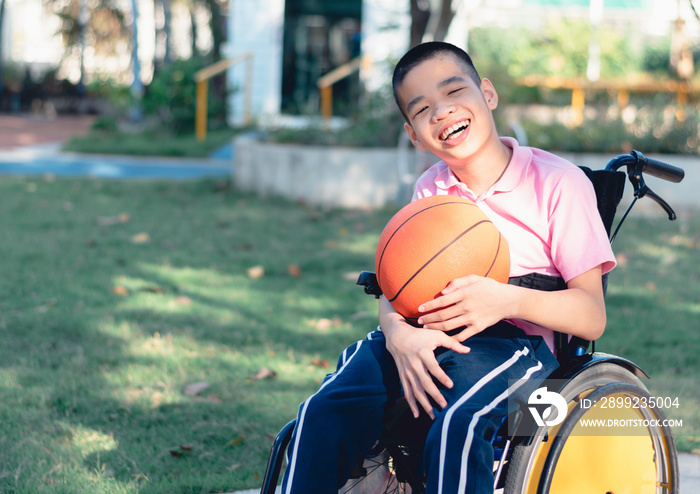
column 413, row 351
column 478, row 303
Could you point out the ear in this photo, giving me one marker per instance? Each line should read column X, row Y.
column 490, row 94
column 413, row 136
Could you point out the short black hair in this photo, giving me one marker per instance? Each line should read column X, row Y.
column 427, row 51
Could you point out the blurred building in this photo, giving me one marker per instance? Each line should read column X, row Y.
column 294, row 42
column 32, row 39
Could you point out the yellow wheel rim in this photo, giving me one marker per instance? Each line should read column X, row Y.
column 610, row 458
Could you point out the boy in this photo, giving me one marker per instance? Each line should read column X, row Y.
column 479, row 336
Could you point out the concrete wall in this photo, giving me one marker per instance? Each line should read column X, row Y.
column 375, row 177
column 326, row 176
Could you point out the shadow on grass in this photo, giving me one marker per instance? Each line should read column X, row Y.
column 102, row 333
column 93, row 379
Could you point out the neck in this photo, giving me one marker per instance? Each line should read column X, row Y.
column 480, row 173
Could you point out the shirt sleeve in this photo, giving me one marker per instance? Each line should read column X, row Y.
column 578, row 240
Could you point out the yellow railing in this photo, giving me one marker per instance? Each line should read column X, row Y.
column 325, row 83
column 623, row 89
column 202, row 77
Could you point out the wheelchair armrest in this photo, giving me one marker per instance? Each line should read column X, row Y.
column 368, row 279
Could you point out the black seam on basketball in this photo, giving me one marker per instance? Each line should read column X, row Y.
column 498, row 250
column 379, row 264
column 436, row 255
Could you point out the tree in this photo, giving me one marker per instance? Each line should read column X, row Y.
column 430, row 20
column 2, row 12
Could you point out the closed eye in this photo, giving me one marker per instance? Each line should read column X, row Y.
column 420, row 111
column 455, row 90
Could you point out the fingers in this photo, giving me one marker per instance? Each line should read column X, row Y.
column 441, row 302
column 419, row 383
column 414, row 391
column 445, row 320
column 458, row 283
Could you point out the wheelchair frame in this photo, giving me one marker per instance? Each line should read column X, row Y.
column 523, row 448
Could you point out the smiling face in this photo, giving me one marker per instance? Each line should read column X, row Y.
column 447, row 111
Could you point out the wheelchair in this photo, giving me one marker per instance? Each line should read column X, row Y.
column 539, row 458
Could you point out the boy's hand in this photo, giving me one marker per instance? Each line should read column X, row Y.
column 413, row 351
column 472, row 302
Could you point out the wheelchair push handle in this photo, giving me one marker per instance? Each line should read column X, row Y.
column 662, row 170
column 637, row 164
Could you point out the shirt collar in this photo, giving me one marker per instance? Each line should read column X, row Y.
column 513, row 176
column 516, row 172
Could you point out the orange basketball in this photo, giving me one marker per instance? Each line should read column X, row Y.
column 431, row 242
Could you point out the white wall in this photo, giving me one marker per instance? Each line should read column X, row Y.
column 385, row 37
column 256, row 27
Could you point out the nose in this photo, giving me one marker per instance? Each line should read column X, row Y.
column 443, row 110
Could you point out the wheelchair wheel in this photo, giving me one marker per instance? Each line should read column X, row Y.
column 598, row 460
column 376, row 476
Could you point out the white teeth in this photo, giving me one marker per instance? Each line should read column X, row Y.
column 446, row 133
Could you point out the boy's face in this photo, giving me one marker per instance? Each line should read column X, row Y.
column 448, row 113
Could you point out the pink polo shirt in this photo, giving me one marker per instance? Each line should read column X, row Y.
column 546, row 209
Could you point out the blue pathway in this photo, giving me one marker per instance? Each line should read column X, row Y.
column 42, row 160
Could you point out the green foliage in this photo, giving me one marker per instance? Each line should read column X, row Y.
column 376, row 123
column 561, row 49
column 117, row 95
column 107, row 138
column 652, row 131
column 171, row 97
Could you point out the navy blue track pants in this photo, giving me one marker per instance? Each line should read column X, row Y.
column 339, row 424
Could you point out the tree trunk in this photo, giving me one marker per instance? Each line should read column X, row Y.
column 2, row 12
column 167, row 19
column 420, row 13
column 425, row 27
column 444, row 21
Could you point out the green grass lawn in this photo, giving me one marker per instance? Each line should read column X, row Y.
column 117, row 296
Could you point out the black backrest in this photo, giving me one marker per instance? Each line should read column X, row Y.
column 609, row 187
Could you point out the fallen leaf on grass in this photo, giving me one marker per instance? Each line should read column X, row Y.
column 236, row 441
column 195, row 388
column 47, row 306
column 141, row 238
column 256, row 272
column 120, row 290
column 320, row 362
column 294, row 270
column 183, row 300
column 324, row 323
column 113, row 220
column 175, row 453
column 152, row 289
column 264, row 373
column 186, row 447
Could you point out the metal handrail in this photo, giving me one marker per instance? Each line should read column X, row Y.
column 202, row 77
column 325, row 82
column 623, row 89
